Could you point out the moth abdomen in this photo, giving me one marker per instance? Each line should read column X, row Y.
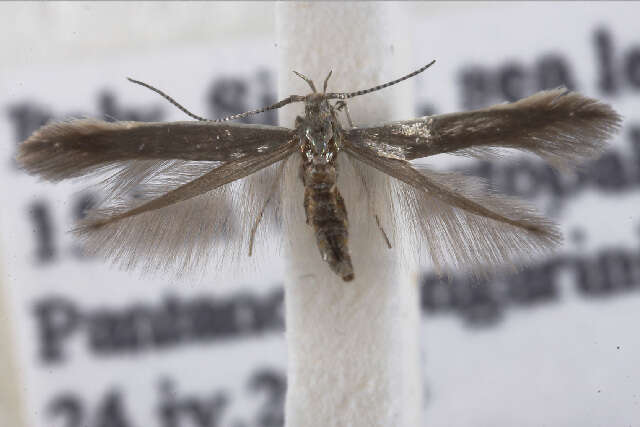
column 327, row 214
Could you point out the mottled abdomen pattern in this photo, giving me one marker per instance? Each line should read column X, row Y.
column 327, row 215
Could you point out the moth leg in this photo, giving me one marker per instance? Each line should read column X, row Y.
column 358, row 172
column 307, row 202
column 339, row 106
column 342, row 208
column 384, row 235
column 272, row 191
column 307, row 196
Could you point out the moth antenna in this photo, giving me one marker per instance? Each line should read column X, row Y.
column 168, row 98
column 373, row 89
column 289, row 100
column 306, row 79
column 326, row 80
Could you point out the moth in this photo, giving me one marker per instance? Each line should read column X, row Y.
column 167, row 181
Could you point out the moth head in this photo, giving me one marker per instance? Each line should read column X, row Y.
column 317, row 106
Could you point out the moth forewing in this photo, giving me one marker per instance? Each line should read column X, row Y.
column 68, row 149
column 564, row 128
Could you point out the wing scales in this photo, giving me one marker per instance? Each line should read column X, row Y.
column 564, row 128
column 69, row 149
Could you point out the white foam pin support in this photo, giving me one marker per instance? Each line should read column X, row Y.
column 353, row 350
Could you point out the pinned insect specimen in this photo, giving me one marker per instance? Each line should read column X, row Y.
column 182, row 172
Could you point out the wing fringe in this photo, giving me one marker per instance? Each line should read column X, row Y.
column 60, row 150
column 461, row 223
column 457, row 238
column 564, row 128
column 182, row 237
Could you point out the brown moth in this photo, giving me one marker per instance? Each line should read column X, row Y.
column 169, row 180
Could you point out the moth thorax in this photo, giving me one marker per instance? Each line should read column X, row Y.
column 319, row 145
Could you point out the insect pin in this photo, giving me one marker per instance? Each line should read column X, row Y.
column 182, row 174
